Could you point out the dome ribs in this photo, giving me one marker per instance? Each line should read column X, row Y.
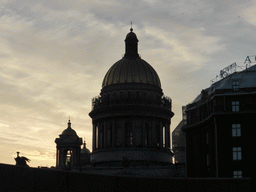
column 131, row 71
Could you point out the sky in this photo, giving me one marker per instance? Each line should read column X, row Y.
column 54, row 55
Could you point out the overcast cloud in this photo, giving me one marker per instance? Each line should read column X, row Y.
column 54, row 55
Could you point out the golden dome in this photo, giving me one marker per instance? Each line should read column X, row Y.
column 131, row 68
column 131, row 71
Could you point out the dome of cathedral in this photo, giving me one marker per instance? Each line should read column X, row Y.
column 131, row 71
column 69, row 131
column 131, row 68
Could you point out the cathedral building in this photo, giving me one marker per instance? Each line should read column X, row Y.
column 131, row 117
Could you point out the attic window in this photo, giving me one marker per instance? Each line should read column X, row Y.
column 235, row 85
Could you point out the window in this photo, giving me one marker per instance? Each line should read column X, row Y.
column 235, row 106
column 237, row 174
column 235, row 85
column 237, row 153
column 68, row 158
column 236, row 130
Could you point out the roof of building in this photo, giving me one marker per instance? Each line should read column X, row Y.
column 131, row 68
column 84, row 150
column 69, row 131
column 178, row 128
column 245, row 79
column 131, row 71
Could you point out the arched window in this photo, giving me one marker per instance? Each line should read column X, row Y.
column 68, row 158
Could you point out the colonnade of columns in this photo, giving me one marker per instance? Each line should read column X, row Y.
column 131, row 132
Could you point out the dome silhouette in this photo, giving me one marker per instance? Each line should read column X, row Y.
column 69, row 131
column 131, row 68
column 131, row 71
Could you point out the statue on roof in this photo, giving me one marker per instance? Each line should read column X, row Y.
column 21, row 161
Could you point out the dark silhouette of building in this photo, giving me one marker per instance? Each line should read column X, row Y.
column 85, row 156
column 68, row 149
column 131, row 117
column 21, row 178
column 179, row 141
column 221, row 128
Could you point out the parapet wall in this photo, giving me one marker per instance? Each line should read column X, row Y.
column 16, row 178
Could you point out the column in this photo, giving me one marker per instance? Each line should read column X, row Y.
column 123, row 132
column 167, row 136
column 105, row 134
column 113, row 133
column 133, row 132
column 143, row 132
column 153, row 134
column 61, row 159
column 73, row 157
column 149, row 132
column 57, row 157
column 94, row 137
column 137, row 132
column 161, row 134
column 99, row 135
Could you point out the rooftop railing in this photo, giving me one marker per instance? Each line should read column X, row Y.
column 164, row 101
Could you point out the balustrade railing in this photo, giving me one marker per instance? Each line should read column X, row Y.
column 98, row 102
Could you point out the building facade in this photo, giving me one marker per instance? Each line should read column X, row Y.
column 221, row 127
column 131, row 117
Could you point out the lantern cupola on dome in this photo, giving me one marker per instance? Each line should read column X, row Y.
column 131, row 45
